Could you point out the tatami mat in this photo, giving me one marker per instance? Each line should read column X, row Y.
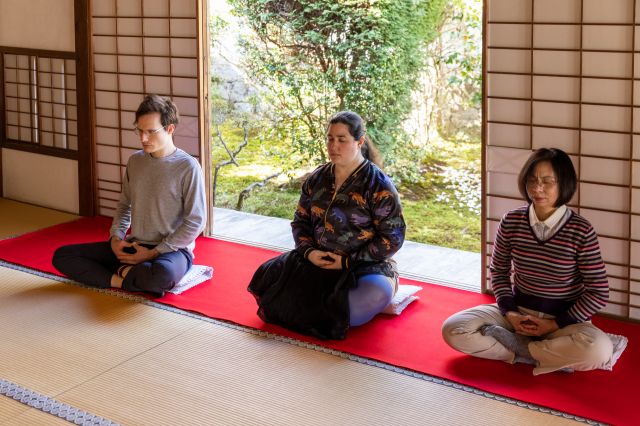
column 139, row 365
column 239, row 379
column 15, row 413
column 10, row 409
column 33, row 417
column 58, row 336
column 29, row 218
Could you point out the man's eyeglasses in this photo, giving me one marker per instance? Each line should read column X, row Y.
column 148, row 133
column 547, row 182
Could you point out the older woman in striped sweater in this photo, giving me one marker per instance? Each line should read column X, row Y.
column 548, row 278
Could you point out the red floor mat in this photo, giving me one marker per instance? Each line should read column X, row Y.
column 411, row 340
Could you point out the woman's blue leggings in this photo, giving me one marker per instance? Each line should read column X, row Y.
column 373, row 293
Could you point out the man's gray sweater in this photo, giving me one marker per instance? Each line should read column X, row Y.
column 163, row 201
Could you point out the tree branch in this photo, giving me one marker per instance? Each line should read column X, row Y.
column 245, row 192
column 232, row 157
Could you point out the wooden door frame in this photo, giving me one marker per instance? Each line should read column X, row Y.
column 85, row 101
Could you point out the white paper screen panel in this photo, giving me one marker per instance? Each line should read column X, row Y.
column 565, row 74
column 508, row 85
column 614, row 92
column 553, row 62
column 565, row 139
column 503, row 184
column 556, row 88
column 556, row 36
column 509, row 135
column 509, row 60
column 141, row 47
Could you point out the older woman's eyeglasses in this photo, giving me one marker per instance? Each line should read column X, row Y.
column 148, row 133
column 547, row 182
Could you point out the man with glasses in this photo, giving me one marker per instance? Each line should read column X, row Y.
column 163, row 206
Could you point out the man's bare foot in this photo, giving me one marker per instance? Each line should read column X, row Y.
column 118, row 277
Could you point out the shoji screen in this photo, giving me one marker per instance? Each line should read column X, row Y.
column 40, row 99
column 564, row 74
column 140, row 47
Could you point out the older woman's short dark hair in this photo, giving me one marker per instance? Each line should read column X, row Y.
column 562, row 167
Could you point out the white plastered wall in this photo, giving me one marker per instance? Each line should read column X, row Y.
column 37, row 24
column 38, row 179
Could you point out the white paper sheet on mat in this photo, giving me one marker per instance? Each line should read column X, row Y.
column 619, row 345
column 197, row 274
column 403, row 297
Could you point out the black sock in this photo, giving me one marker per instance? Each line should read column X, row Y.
column 517, row 343
column 525, row 360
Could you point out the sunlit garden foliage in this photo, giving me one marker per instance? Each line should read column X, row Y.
column 390, row 60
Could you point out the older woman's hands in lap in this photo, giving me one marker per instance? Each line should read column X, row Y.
column 529, row 325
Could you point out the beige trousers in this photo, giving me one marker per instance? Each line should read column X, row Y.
column 581, row 346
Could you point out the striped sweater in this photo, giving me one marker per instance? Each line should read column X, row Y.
column 562, row 276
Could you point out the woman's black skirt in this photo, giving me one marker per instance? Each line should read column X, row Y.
column 295, row 294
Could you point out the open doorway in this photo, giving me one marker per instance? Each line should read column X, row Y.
column 414, row 73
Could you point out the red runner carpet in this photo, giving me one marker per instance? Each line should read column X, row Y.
column 411, row 341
